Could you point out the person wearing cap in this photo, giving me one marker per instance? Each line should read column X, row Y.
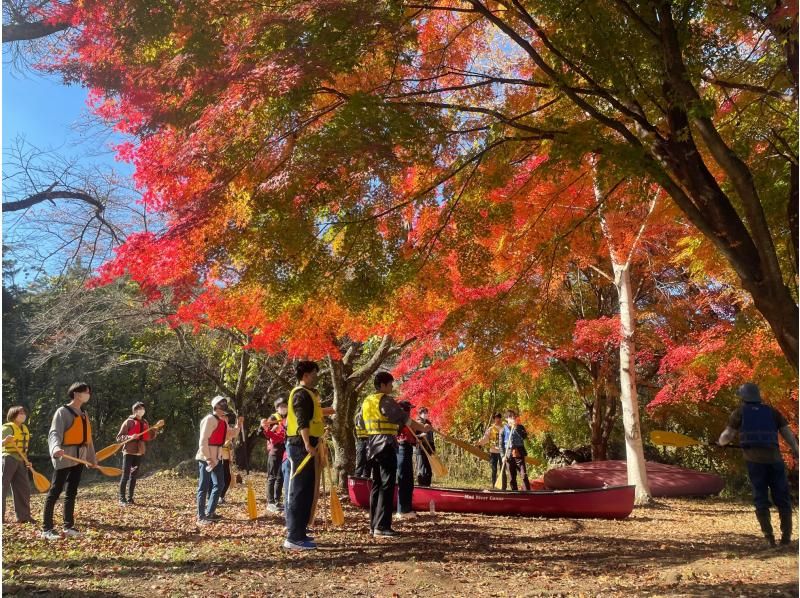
column 361, row 446
column 133, row 450
column 758, row 426
column 226, row 455
column 383, row 419
column 70, row 434
column 16, row 440
column 214, row 433
column 492, row 437
column 406, row 440
column 304, row 428
column 424, row 471
column 274, row 428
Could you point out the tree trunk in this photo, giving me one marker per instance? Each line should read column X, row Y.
column 634, row 450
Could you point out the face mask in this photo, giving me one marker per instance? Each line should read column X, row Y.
column 139, row 413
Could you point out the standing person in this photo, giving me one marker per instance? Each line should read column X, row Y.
column 406, row 440
column 16, row 440
column 274, row 428
column 133, row 450
column 214, row 433
column 424, row 471
column 304, row 428
column 226, row 455
column 70, row 434
column 383, row 418
column 492, row 437
column 758, row 426
column 512, row 446
column 361, row 446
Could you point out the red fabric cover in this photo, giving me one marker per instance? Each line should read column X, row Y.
column 664, row 480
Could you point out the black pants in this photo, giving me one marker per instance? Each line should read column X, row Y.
column 275, row 477
column 516, row 464
column 71, row 476
column 301, row 491
column 381, row 498
column 495, row 461
column 405, row 477
column 424, row 472
column 130, row 470
column 361, row 458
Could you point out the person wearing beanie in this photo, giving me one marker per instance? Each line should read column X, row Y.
column 214, row 433
column 758, row 426
column 274, row 429
column 134, row 432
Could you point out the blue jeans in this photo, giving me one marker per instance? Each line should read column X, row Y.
column 285, row 472
column 766, row 477
column 210, row 481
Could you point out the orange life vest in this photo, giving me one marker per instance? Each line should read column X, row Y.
column 80, row 432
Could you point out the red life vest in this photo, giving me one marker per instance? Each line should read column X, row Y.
column 138, row 427
column 217, row 437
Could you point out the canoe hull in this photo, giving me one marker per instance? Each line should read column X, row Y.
column 603, row 503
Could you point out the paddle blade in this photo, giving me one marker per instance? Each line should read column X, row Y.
column 437, row 467
column 498, row 484
column 105, row 453
column 664, row 438
column 337, row 514
column 302, row 465
column 109, row 471
column 532, row 461
column 252, row 512
column 473, row 450
column 42, row 483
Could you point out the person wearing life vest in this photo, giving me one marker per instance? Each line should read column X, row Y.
column 361, row 446
column 492, row 437
column 304, row 428
column 70, row 434
column 226, row 455
column 133, row 450
column 383, row 419
column 214, row 433
column 274, row 428
column 758, row 426
column 424, row 471
column 512, row 447
column 406, row 440
column 16, row 440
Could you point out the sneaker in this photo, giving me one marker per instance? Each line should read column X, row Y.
column 51, row 534
column 300, row 545
column 409, row 515
column 213, row 517
column 221, row 500
column 273, row 508
column 29, row 520
column 71, row 532
column 385, row 533
column 130, row 501
column 203, row 521
column 123, row 502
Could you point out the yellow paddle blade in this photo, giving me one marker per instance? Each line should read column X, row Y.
column 664, row 438
column 337, row 514
column 467, row 447
column 498, row 484
column 252, row 512
column 301, row 466
column 437, row 467
column 42, row 483
column 105, row 453
column 109, row 471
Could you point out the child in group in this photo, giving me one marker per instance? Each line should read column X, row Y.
column 133, row 450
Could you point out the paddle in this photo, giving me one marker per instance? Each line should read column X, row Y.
column 111, row 449
column 498, row 484
column 337, row 514
column 252, row 511
column 109, row 471
column 42, row 483
column 664, row 438
column 465, row 446
column 437, row 467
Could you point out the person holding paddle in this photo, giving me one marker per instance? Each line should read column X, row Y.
column 421, row 450
column 16, row 439
column 274, row 428
column 304, row 428
column 512, row 446
column 492, row 437
column 70, row 436
column 758, row 426
column 383, row 419
column 134, row 432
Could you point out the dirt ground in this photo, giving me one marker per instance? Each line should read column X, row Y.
column 687, row 547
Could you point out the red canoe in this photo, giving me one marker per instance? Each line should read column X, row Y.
column 604, row 503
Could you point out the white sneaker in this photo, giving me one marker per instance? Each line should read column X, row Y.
column 409, row 515
column 71, row 532
column 51, row 534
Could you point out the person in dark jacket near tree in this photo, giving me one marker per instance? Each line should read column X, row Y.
column 424, row 471
column 383, row 418
column 406, row 440
column 133, row 450
column 512, row 446
column 361, row 446
column 758, row 426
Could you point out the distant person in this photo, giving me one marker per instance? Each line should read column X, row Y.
column 406, row 441
column 133, row 450
column 492, row 437
column 274, row 428
column 16, row 440
column 758, row 426
column 512, row 447
column 424, row 471
column 361, row 446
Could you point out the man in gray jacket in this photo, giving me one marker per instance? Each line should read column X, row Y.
column 70, row 434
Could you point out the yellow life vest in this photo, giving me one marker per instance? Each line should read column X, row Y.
column 374, row 421
column 316, row 427
column 22, row 437
column 80, row 432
